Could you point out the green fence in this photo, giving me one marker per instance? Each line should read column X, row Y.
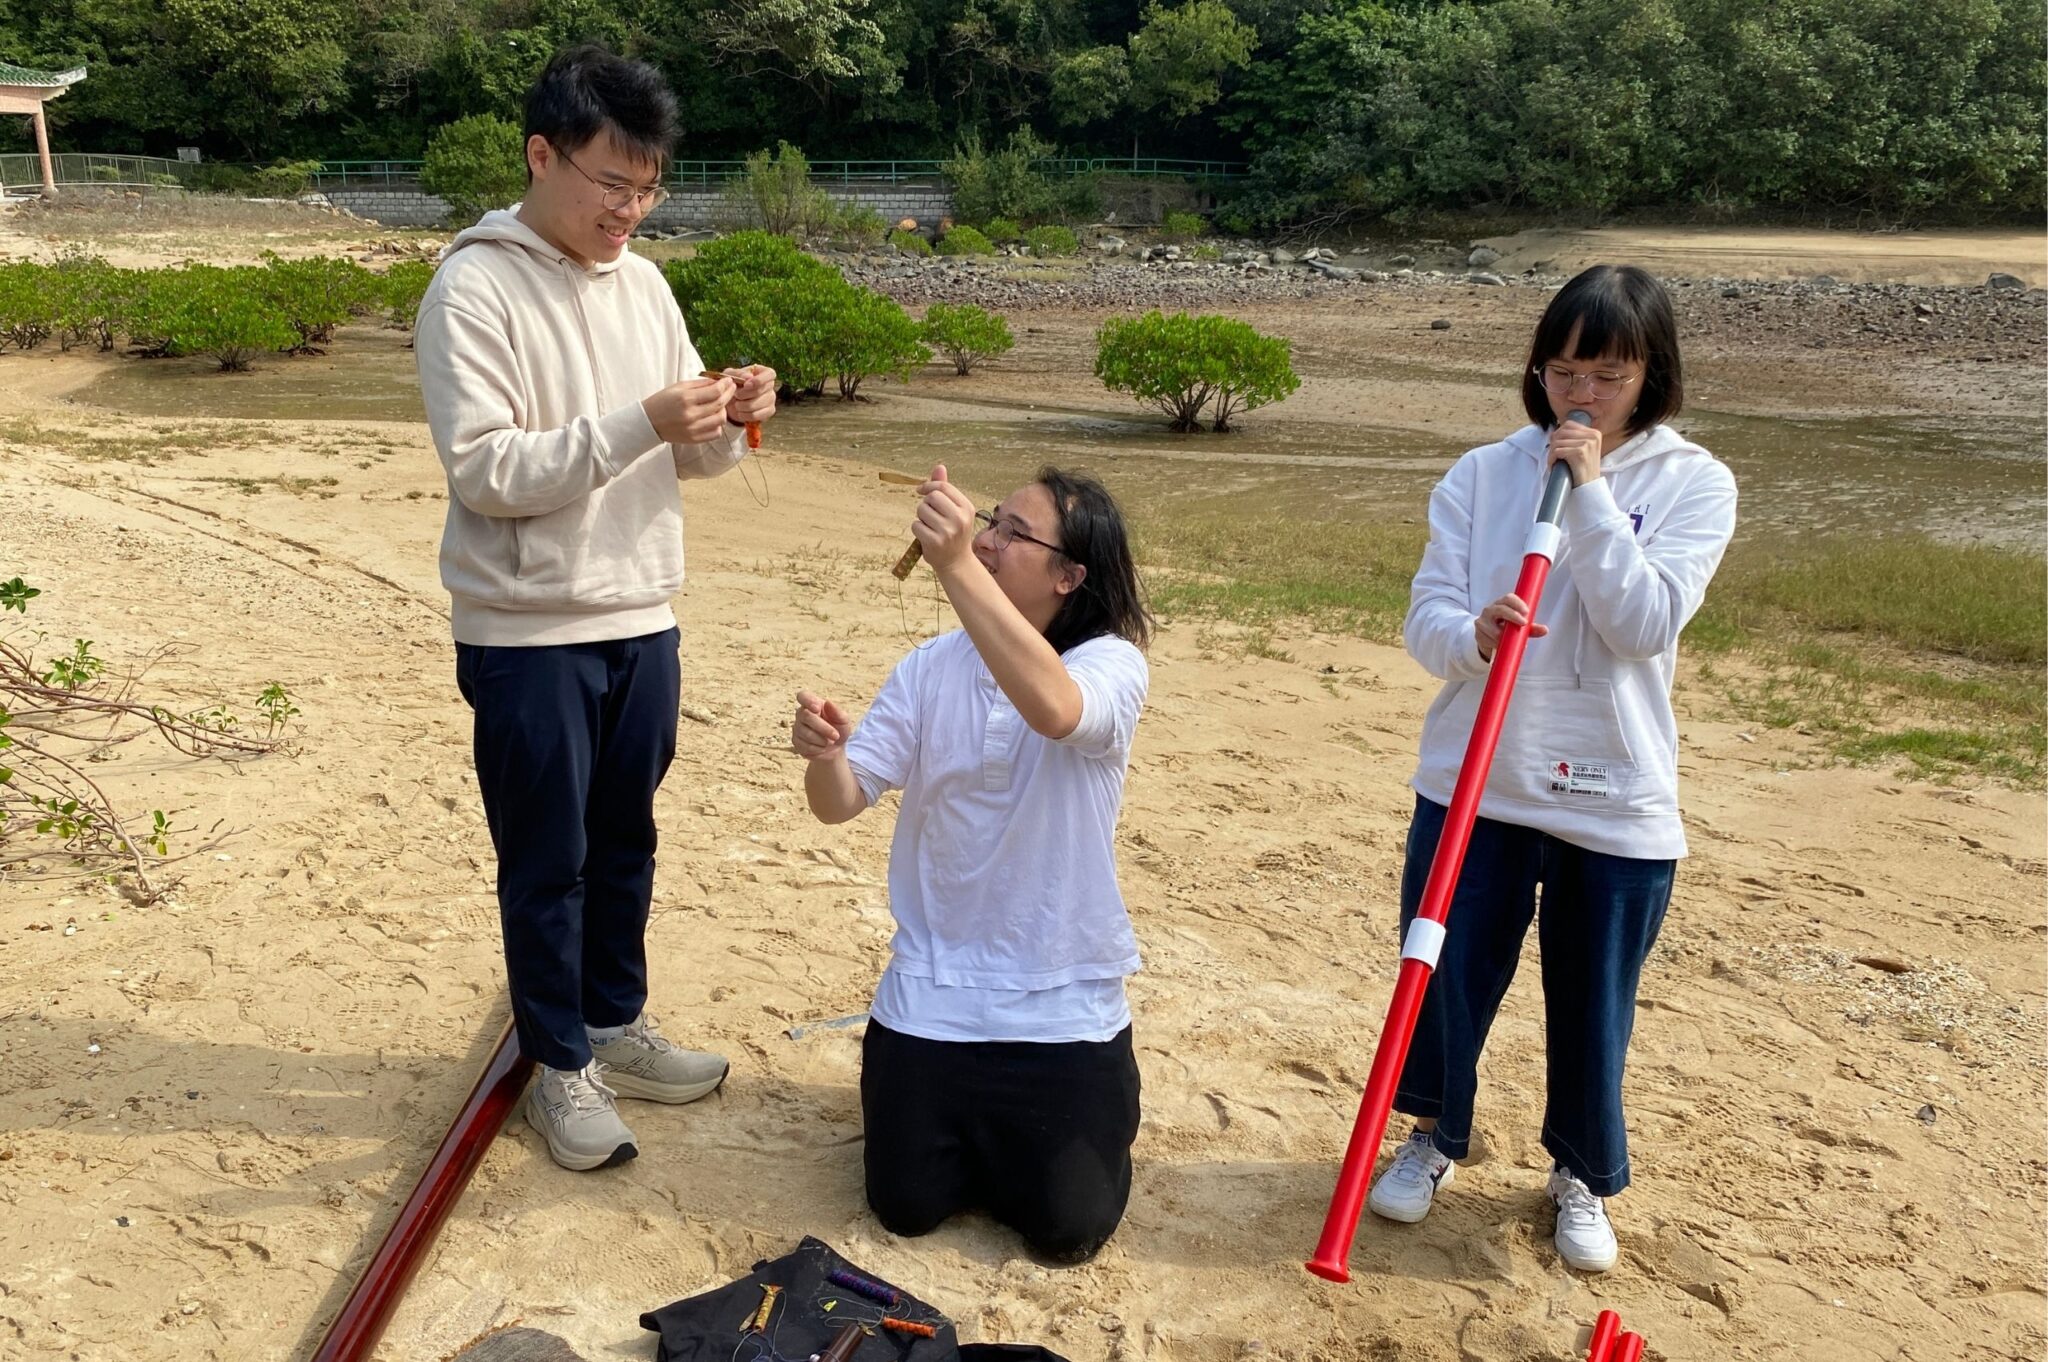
column 82, row 167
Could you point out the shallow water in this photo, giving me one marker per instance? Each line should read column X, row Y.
column 1969, row 480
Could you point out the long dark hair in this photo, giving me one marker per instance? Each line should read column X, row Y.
column 1110, row 599
column 1620, row 310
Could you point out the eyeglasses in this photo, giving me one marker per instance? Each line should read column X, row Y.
column 1560, row 381
column 1006, row 530
column 617, row 196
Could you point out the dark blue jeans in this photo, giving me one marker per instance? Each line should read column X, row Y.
column 1600, row 916
column 572, row 740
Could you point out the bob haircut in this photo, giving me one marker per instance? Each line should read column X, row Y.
column 588, row 90
column 1619, row 310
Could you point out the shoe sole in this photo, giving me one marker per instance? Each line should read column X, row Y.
column 579, row 1163
column 1401, row 1215
column 674, row 1094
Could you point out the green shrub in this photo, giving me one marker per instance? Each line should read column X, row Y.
column 1052, row 241
column 103, row 174
column 318, row 294
column 88, row 299
column 872, row 335
column 811, row 331
column 165, row 181
column 404, row 285
column 283, row 179
column 775, row 194
column 30, row 304
column 1003, row 231
column 966, row 334
column 965, row 241
column 992, row 184
column 227, row 313
column 215, row 178
column 733, row 265
column 1183, row 227
column 1181, row 364
column 910, row 243
column 475, row 164
column 857, row 225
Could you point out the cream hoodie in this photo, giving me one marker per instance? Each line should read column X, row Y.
column 1589, row 751
column 565, row 524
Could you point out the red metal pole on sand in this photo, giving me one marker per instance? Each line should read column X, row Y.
column 1425, row 939
column 353, row 1335
column 1605, row 1328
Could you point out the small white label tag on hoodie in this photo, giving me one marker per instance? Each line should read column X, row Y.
column 1587, row 778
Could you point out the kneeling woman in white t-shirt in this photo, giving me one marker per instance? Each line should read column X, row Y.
column 997, row 1070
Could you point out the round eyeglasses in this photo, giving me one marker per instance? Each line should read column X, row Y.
column 1560, row 381
column 617, row 197
column 1006, row 530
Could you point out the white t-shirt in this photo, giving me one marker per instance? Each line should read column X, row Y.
column 1002, row 874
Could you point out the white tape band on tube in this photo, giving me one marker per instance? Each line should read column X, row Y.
column 1544, row 538
column 1425, row 941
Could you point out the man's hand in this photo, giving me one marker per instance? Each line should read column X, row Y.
column 754, row 399
column 820, row 731
column 692, row 411
column 944, row 527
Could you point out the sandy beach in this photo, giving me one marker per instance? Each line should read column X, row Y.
column 1837, row 1082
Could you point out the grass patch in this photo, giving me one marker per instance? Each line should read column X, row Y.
column 282, row 482
column 1985, row 604
column 1339, row 577
column 1900, row 650
column 145, row 447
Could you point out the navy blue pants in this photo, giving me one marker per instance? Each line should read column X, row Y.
column 1600, row 916
column 572, row 740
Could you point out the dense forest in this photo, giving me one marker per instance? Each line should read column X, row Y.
column 1906, row 108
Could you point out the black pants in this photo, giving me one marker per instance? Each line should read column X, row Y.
column 572, row 741
column 1038, row 1135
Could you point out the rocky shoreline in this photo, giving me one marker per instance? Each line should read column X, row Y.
column 1999, row 321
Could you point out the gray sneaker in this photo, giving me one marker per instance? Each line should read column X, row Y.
column 573, row 1111
column 645, row 1063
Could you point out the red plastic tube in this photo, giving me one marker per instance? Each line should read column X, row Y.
column 1628, row 1348
column 1418, row 953
column 353, row 1335
column 1605, row 1327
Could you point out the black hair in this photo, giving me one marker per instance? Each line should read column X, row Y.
column 1620, row 310
column 1110, row 599
column 589, row 90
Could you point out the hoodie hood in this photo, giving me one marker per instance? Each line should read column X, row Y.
column 504, row 224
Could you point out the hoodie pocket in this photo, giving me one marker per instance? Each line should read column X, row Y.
column 1563, row 744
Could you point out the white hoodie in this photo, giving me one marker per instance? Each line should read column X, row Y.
column 1589, row 752
column 565, row 524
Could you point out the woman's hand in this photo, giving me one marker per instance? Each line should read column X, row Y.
column 945, row 521
column 820, row 730
column 1578, row 448
column 1509, row 609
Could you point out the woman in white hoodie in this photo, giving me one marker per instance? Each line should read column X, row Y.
column 1582, row 799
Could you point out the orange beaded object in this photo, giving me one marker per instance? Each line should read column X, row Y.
column 911, row 1326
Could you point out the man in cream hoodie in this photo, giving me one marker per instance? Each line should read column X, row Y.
column 566, row 401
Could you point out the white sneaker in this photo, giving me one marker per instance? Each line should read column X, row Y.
column 644, row 1063
column 1406, row 1189
column 1584, row 1238
column 574, row 1113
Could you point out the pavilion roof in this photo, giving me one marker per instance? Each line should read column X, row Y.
column 11, row 74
